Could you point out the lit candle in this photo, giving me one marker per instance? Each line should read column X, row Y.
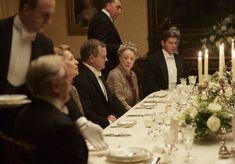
column 233, row 66
column 206, row 65
column 221, row 60
column 200, row 67
column 232, row 47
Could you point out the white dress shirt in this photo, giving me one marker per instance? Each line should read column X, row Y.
column 98, row 75
column 20, row 53
column 171, row 68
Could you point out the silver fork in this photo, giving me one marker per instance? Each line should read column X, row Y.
column 155, row 160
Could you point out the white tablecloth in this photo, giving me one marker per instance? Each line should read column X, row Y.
column 206, row 153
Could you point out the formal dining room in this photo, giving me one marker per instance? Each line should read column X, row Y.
column 117, row 81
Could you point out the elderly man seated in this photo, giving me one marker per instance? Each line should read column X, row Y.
column 45, row 123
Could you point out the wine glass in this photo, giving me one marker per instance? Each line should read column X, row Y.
column 148, row 122
column 192, row 80
column 188, row 136
column 170, row 138
column 183, row 81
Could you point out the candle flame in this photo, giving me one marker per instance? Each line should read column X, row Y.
column 200, row 54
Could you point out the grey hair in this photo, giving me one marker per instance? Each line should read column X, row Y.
column 90, row 47
column 128, row 46
column 42, row 72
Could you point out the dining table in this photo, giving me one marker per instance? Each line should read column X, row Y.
column 130, row 131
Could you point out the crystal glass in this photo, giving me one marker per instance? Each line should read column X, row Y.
column 158, row 125
column 148, row 122
column 169, row 138
column 192, row 80
column 192, row 83
column 188, row 133
column 183, row 81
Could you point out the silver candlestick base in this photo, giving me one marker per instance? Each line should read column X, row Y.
column 223, row 150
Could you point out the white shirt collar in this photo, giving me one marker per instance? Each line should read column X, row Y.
column 18, row 25
column 107, row 13
column 96, row 72
column 167, row 55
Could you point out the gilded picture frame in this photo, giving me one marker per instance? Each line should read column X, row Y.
column 79, row 14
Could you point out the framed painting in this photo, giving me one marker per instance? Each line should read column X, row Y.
column 80, row 13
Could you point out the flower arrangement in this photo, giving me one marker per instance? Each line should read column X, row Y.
column 209, row 110
column 222, row 32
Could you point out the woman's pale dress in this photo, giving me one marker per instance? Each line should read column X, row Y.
column 120, row 86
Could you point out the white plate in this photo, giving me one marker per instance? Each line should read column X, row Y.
column 130, row 154
column 126, row 122
column 10, row 98
column 8, row 104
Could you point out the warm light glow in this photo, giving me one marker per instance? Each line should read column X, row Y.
column 206, row 65
column 200, row 67
column 221, row 60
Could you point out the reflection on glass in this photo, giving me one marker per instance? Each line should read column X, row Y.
column 188, row 136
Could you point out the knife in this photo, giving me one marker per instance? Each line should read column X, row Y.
column 117, row 135
column 134, row 115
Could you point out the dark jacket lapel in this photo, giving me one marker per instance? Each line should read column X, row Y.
column 94, row 80
column 163, row 67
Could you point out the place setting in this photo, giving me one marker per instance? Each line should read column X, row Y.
column 14, row 100
column 124, row 124
column 130, row 155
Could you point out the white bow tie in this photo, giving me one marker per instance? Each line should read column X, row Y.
column 28, row 36
column 170, row 57
column 25, row 35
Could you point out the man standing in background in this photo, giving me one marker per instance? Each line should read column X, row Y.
column 102, row 28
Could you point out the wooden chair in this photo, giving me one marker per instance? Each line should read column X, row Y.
column 13, row 151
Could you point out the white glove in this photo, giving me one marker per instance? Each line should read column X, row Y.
column 94, row 134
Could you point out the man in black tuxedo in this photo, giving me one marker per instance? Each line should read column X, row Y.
column 99, row 105
column 21, row 42
column 102, row 28
column 163, row 68
column 45, row 122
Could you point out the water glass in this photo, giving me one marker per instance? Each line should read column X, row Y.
column 169, row 138
column 188, row 133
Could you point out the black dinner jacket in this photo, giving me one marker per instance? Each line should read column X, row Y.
column 103, row 29
column 40, row 46
column 95, row 105
column 156, row 74
column 52, row 132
